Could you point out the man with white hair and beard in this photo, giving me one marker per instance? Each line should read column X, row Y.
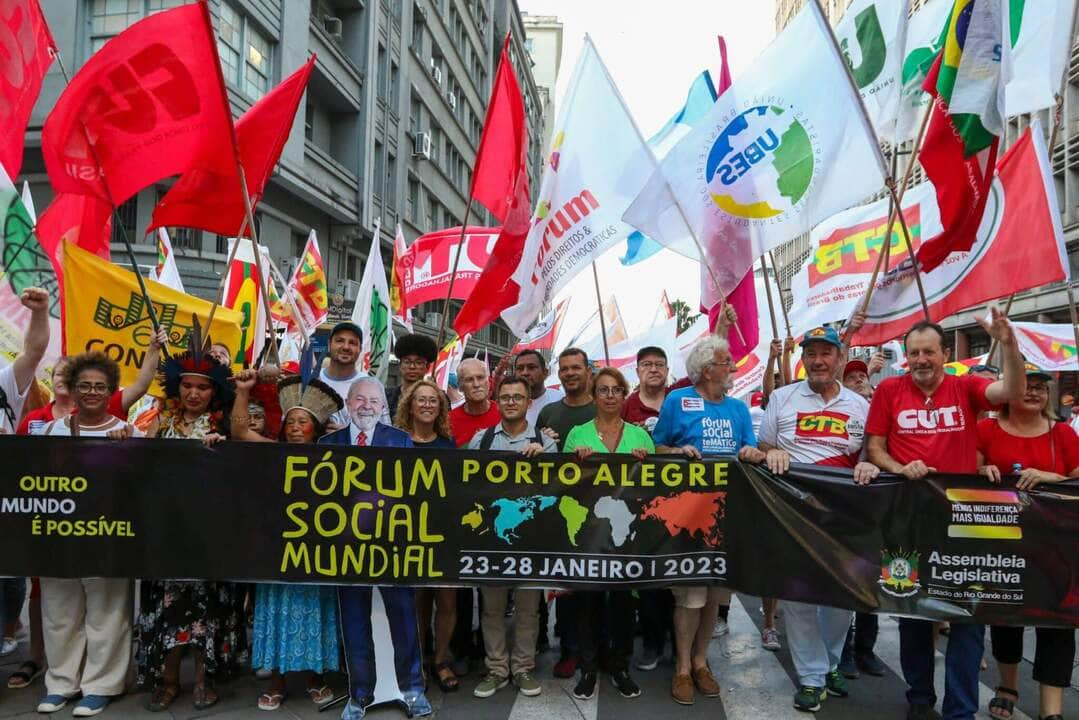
column 695, row 421
column 366, row 402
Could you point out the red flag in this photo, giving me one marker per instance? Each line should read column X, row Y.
column 210, row 198
column 26, row 51
column 500, row 181
column 426, row 266
column 543, row 334
column 495, row 176
column 148, row 105
column 81, row 220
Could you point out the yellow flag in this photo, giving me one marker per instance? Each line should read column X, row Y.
column 104, row 310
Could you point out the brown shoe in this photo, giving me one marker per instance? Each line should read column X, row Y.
column 706, row 682
column 682, row 689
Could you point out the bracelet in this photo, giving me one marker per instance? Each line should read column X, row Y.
column 240, row 419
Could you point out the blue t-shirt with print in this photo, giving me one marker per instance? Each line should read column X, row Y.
column 714, row 428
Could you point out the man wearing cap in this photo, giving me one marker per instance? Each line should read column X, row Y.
column 856, row 378
column 818, row 421
column 346, row 344
column 926, row 422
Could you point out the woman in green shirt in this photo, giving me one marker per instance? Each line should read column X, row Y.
column 608, row 433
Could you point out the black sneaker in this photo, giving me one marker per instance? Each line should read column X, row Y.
column 870, row 664
column 586, row 686
column 626, row 687
column 847, row 666
column 922, row 712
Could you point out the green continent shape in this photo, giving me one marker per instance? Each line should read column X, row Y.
column 575, row 514
column 793, row 161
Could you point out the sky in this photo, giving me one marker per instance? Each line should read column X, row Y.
column 653, row 50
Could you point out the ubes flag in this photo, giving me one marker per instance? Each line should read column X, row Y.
column 1050, row 347
column 1020, row 245
column 785, row 147
column 597, row 165
column 1040, row 34
column 149, row 104
column 427, row 265
column 105, row 311
column 209, row 196
column 26, row 51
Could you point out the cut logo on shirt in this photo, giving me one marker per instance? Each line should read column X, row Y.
column 945, row 419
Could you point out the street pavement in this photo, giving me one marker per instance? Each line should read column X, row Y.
column 756, row 684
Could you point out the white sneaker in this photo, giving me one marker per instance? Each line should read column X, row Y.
column 721, row 628
column 8, row 645
column 770, row 639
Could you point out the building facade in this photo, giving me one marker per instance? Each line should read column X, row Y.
column 387, row 132
column 1045, row 304
column 543, row 41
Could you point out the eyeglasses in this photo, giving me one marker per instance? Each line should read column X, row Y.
column 85, row 388
column 610, row 391
column 649, row 365
column 1039, row 389
column 412, row 362
column 723, row 363
column 428, row 401
column 512, row 399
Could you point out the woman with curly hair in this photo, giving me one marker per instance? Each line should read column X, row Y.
column 174, row 615
column 423, row 412
column 295, row 625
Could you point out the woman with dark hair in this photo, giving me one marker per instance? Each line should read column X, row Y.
column 295, row 625
column 423, row 413
column 1025, row 439
column 174, row 614
column 415, row 355
column 86, row 622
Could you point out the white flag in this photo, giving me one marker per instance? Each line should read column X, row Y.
column 28, row 203
column 1050, row 347
column 922, row 45
column 372, row 313
column 1041, row 41
column 598, row 164
column 166, row 271
column 784, row 147
column 871, row 37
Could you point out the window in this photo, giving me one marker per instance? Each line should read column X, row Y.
column 111, row 17
column 415, row 115
column 245, row 53
column 391, row 181
column 417, row 32
column 127, row 214
column 309, row 121
column 380, row 168
column 394, row 83
column 382, row 75
column 413, row 206
column 432, row 214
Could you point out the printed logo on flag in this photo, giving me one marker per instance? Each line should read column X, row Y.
column 762, row 163
column 822, row 425
column 1051, row 347
column 899, row 573
column 854, row 249
column 745, row 365
column 872, row 48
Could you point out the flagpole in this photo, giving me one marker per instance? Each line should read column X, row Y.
column 768, row 292
column 290, row 303
column 602, row 320
column 116, row 216
column 453, row 273
column 275, row 358
column 779, row 289
column 225, row 275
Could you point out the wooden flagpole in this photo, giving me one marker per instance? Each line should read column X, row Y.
column 768, row 292
column 453, row 273
column 602, row 319
column 779, row 289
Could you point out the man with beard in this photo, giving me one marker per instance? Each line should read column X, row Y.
column 366, row 403
column 531, row 366
column 926, row 422
column 346, row 343
column 816, row 421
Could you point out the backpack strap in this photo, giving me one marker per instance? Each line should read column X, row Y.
column 488, row 438
column 539, row 437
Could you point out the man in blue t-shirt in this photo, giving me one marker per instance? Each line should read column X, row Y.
column 695, row 421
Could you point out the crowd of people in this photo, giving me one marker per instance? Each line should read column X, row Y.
column 88, row 636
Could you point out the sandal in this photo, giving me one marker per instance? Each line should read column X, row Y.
column 1002, row 708
column 163, row 696
column 446, row 678
column 271, row 700
column 25, row 675
column 204, row 696
column 320, row 695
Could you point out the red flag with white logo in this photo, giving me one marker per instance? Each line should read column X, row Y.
column 26, row 51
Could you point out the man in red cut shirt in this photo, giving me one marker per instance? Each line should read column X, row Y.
column 478, row 412
column 925, row 422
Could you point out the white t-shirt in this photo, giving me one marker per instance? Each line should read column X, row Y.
column 60, row 428
column 549, row 396
column 341, row 418
column 756, row 414
column 811, row 430
column 9, row 416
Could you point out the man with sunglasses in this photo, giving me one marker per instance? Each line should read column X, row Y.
column 516, row 434
column 16, row 378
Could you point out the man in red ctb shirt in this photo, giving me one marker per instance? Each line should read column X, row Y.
column 478, row 412
column 925, row 422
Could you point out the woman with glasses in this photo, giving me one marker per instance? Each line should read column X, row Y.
column 423, row 412
column 87, row 621
column 608, row 433
column 1025, row 440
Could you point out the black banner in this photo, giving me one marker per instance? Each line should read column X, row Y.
column 950, row 547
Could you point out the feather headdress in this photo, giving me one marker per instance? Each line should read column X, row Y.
column 308, row 392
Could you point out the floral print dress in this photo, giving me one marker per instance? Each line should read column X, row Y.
column 206, row 615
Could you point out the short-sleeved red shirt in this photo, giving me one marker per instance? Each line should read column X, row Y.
column 36, row 419
column 635, row 411
column 1055, row 451
column 940, row 429
column 465, row 425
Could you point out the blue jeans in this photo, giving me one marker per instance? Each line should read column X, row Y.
column 961, row 664
column 400, row 604
column 816, row 635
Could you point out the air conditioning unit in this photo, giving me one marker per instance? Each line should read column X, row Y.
column 432, row 66
column 421, row 145
column 349, row 288
column 452, row 100
column 333, row 26
column 438, row 76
